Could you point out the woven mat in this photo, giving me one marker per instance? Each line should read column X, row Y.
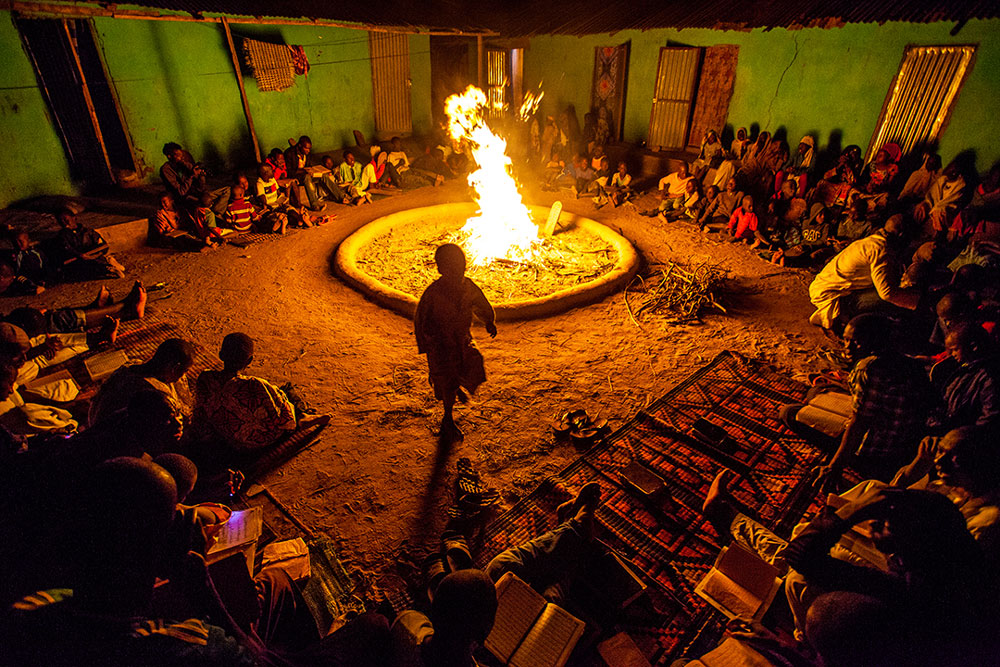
column 672, row 543
column 271, row 64
column 329, row 591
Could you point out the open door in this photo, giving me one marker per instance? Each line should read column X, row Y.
column 673, row 97
column 715, row 90
column 73, row 77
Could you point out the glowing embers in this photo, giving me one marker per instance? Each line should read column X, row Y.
column 503, row 228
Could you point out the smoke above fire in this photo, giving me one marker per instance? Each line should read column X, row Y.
column 503, row 228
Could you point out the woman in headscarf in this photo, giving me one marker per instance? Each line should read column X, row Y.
column 710, row 156
column 738, row 149
column 757, row 150
column 798, row 167
column 880, row 174
column 838, row 182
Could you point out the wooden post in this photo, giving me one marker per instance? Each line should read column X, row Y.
column 243, row 91
column 479, row 61
column 88, row 99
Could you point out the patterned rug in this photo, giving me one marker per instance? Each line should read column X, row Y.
column 670, row 542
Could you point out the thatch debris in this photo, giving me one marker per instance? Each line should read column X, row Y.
column 679, row 291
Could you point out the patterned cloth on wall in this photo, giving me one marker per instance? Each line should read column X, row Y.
column 274, row 65
column 608, row 91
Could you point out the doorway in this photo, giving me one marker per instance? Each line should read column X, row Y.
column 85, row 110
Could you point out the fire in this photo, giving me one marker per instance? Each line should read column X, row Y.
column 503, row 228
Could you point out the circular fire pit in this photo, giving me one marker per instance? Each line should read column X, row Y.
column 391, row 260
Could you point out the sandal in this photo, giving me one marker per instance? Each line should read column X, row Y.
column 456, row 551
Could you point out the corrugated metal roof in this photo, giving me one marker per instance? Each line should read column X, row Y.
column 519, row 18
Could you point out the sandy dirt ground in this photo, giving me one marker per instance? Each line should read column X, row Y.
column 377, row 483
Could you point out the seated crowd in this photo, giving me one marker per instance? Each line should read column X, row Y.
column 109, row 563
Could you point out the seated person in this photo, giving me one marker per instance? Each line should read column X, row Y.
column 798, row 168
column 922, row 557
column 461, row 617
column 839, row 181
column 297, row 161
column 433, row 167
column 273, row 204
column 814, row 247
column 171, row 362
column 692, row 204
column 620, row 190
column 856, row 225
column 721, row 208
column 185, row 180
column 920, row 181
column 551, row 562
column 83, row 251
column 127, row 524
column 941, row 201
column 165, row 228
column 968, row 382
column 241, row 215
column 246, row 412
column 864, row 277
column 202, row 221
column 710, row 156
column 879, row 178
column 980, row 219
column 397, row 156
column 12, row 284
column 378, row 174
column 889, row 397
column 743, row 225
column 583, row 175
column 672, row 188
column 557, row 173
column 28, row 261
column 349, row 178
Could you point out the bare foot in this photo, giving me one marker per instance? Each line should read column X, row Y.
column 115, row 266
column 103, row 298
column 315, row 420
column 586, row 502
column 462, row 397
column 135, row 302
column 109, row 330
column 719, row 491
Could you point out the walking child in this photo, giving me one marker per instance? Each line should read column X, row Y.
column 442, row 325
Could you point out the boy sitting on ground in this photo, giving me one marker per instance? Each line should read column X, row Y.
column 202, row 221
column 165, row 228
column 673, row 191
column 349, row 177
column 442, row 324
column 620, row 190
column 29, row 262
column 247, row 412
column 84, row 251
column 743, row 225
column 241, row 214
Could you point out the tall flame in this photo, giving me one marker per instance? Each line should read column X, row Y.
column 503, row 227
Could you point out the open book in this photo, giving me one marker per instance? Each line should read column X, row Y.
column 530, row 632
column 827, row 412
column 239, row 534
column 741, row 584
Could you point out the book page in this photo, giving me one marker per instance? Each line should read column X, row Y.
column 748, row 570
column 727, row 596
column 243, row 526
column 550, row 642
column 734, row 653
column 824, row 421
column 518, row 606
column 836, row 402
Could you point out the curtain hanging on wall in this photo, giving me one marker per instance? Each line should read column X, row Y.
column 607, row 96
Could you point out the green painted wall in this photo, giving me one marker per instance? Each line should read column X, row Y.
column 33, row 162
column 806, row 81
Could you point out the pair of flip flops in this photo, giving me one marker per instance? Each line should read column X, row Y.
column 580, row 428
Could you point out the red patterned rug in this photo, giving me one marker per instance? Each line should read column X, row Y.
column 670, row 541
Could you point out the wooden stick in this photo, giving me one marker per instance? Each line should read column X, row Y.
column 243, row 91
column 42, row 9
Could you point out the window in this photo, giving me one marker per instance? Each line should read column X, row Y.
column 922, row 96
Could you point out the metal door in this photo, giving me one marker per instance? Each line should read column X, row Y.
column 390, row 54
column 673, row 96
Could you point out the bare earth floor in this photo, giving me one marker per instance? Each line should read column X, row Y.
column 376, row 482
